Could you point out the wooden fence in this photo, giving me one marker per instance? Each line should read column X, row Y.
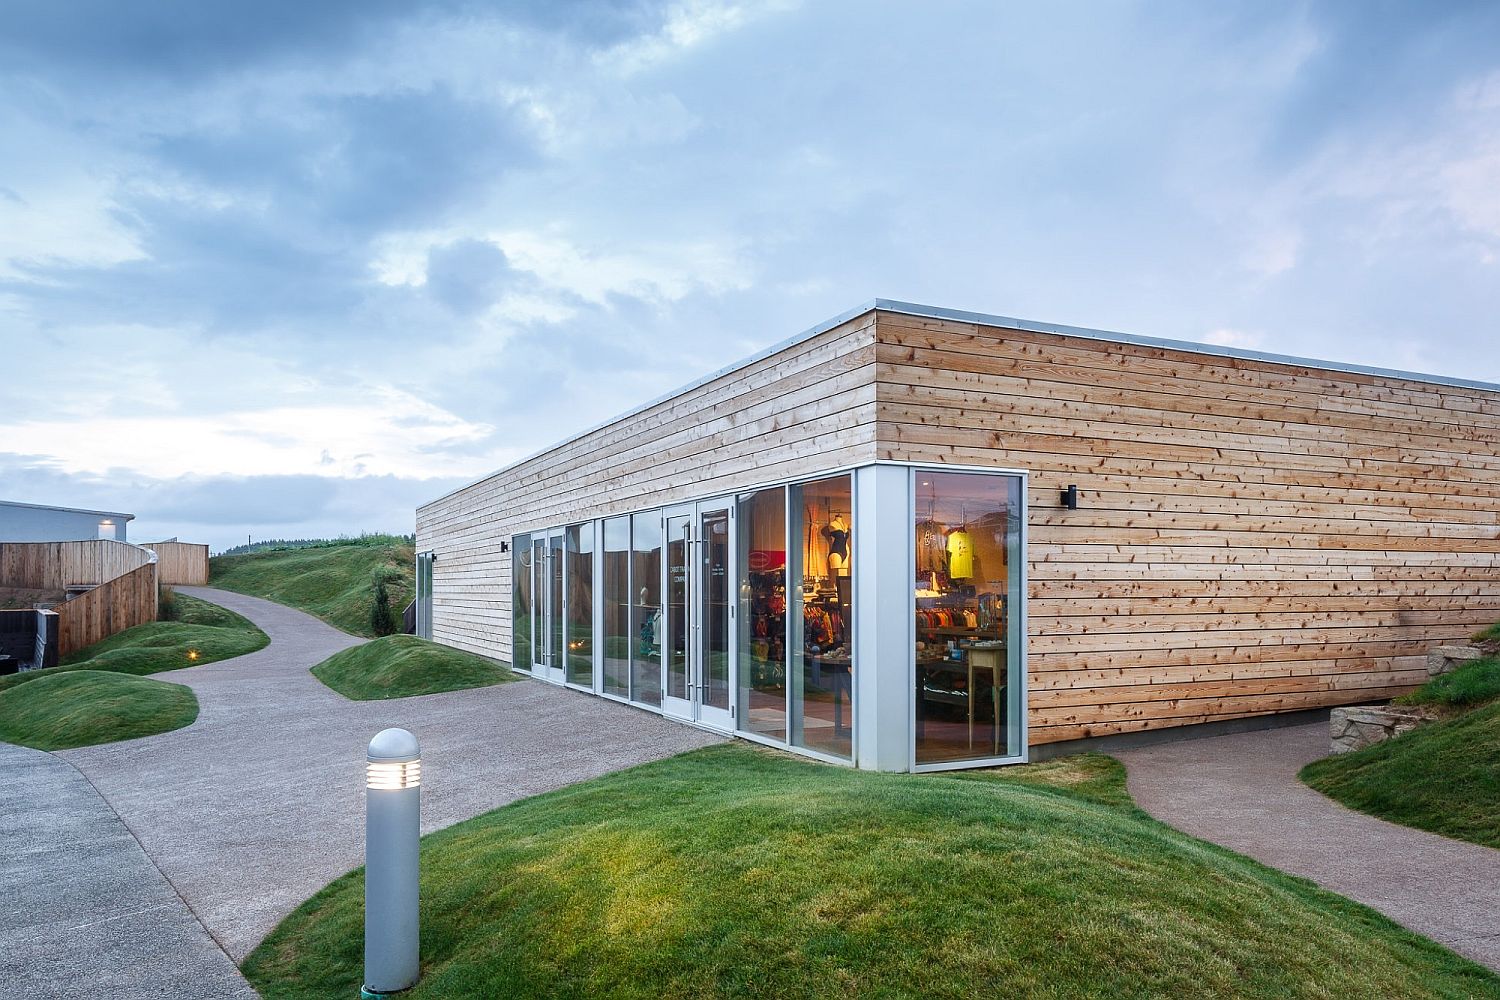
column 57, row 565
column 113, row 606
column 123, row 576
column 180, row 562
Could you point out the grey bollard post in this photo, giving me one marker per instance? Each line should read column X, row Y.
column 392, row 819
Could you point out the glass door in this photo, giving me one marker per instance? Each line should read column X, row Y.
column 699, row 614
column 679, row 624
column 714, row 652
column 548, row 612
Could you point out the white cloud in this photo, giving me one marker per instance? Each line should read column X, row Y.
column 380, row 431
column 657, row 272
column 689, row 24
column 1225, row 337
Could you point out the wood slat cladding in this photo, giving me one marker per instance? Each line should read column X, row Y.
column 801, row 411
column 1252, row 537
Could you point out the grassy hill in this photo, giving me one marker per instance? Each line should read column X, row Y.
column 332, row 580
column 1443, row 777
column 81, row 708
column 741, row 872
column 401, row 666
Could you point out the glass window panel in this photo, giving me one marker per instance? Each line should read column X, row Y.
column 715, row 634
column 579, row 542
column 967, row 543
column 678, row 528
column 520, row 602
column 822, row 662
column 646, row 612
column 554, row 614
column 617, row 602
column 763, row 603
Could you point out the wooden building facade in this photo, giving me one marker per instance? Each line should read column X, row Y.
column 859, row 544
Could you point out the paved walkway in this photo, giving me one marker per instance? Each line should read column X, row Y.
column 259, row 803
column 84, row 905
column 1242, row 792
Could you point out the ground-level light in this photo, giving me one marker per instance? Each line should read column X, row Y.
column 393, row 776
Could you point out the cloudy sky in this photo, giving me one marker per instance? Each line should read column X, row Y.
column 289, row 269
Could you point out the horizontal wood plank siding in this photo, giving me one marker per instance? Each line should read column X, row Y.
column 799, row 412
column 1251, row 537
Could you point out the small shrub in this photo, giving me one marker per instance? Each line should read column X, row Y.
column 166, row 605
column 381, row 622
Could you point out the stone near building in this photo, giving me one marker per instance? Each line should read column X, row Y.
column 1446, row 659
column 1360, row 726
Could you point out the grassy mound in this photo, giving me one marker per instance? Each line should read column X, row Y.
column 1472, row 684
column 81, row 708
column 399, row 666
column 1443, row 777
column 737, row 872
column 332, row 582
column 203, row 633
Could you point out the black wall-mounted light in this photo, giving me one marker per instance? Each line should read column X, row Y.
column 1070, row 497
column 505, row 546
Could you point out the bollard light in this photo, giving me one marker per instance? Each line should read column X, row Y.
column 393, row 776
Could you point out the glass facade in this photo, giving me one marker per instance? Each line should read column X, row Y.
column 646, row 611
column 740, row 613
column 615, row 630
column 821, row 664
column 578, row 542
column 967, row 547
column 761, row 704
column 520, row 602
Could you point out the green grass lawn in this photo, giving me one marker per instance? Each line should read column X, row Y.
column 81, row 708
column 741, row 872
column 400, row 666
column 1443, row 777
column 203, row 633
column 331, row 581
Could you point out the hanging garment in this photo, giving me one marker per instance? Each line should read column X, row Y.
column 931, row 551
column 960, row 555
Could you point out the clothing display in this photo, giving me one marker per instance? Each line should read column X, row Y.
column 960, row 555
column 837, row 533
column 932, row 548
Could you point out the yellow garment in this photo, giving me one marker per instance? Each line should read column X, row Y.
column 960, row 555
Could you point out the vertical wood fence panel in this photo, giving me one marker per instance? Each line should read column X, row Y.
column 122, row 603
column 180, row 562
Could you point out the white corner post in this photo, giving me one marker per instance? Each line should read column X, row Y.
column 393, row 776
column 882, row 617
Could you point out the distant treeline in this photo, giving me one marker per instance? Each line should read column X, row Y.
column 277, row 544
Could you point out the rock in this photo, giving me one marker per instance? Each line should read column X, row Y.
column 1444, row 659
column 1360, row 726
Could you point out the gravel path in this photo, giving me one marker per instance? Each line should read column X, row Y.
column 84, row 905
column 1242, row 792
column 260, row 802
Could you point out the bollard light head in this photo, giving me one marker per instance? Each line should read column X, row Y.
column 394, row 761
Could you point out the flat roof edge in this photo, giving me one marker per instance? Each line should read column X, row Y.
column 1191, row 346
column 983, row 319
column 761, row 355
column 68, row 510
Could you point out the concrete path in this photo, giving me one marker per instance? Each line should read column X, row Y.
column 260, row 802
column 83, row 905
column 1242, row 792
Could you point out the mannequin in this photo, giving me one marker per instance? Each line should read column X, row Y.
column 837, row 533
